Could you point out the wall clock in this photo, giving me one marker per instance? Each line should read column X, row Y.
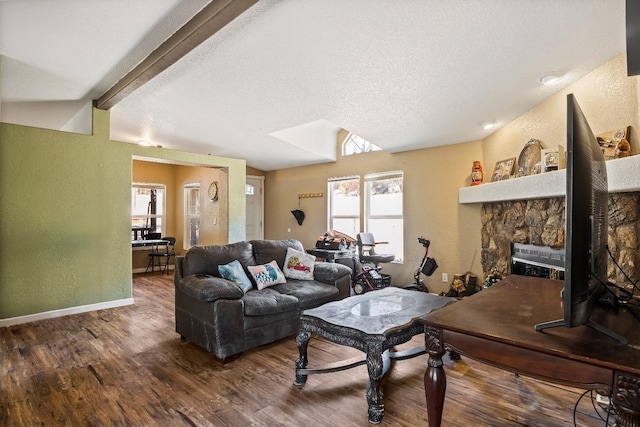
column 213, row 191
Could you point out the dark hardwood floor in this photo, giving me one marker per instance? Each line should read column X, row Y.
column 128, row 367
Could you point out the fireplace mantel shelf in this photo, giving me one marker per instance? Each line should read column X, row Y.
column 623, row 176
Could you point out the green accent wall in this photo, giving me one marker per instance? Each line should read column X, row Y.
column 65, row 215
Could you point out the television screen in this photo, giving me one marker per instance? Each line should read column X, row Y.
column 586, row 225
column 586, row 215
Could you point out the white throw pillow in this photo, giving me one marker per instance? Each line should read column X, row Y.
column 298, row 265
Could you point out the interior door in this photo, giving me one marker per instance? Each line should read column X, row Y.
column 255, row 207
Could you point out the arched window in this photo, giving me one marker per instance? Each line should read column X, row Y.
column 355, row 144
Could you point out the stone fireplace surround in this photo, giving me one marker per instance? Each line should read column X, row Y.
column 530, row 210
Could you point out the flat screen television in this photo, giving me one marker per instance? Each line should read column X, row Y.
column 586, row 226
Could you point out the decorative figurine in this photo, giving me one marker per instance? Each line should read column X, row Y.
column 623, row 149
column 491, row 278
column 477, row 176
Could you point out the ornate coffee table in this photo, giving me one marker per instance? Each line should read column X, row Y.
column 373, row 322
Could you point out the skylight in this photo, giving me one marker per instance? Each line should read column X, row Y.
column 355, row 144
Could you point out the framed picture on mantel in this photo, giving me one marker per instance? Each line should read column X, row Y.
column 553, row 159
column 503, row 169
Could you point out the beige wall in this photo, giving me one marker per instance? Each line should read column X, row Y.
column 608, row 98
column 254, row 172
column 433, row 176
column 431, row 181
column 159, row 173
column 214, row 215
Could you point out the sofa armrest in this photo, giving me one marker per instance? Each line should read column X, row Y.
column 204, row 287
column 178, row 261
column 330, row 272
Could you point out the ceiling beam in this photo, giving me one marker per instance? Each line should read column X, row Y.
column 203, row 25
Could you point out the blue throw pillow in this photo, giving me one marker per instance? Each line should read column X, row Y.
column 235, row 273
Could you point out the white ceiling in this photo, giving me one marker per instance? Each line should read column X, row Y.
column 276, row 84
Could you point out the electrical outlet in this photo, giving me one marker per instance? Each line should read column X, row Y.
column 603, row 400
column 445, row 277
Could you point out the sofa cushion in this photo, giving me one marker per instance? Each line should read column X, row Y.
column 267, row 301
column 205, row 287
column 270, row 324
column 298, row 265
column 309, row 293
column 235, row 273
column 206, row 259
column 265, row 251
column 266, row 275
column 329, row 272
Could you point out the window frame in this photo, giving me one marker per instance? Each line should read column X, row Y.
column 369, row 179
column 360, row 145
column 162, row 216
column 331, row 203
column 188, row 216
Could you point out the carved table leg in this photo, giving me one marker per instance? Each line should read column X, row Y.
column 626, row 399
column 435, row 380
column 374, row 390
column 302, row 340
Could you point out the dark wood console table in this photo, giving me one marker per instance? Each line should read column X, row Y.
column 496, row 326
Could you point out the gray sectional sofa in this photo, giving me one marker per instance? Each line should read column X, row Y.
column 218, row 315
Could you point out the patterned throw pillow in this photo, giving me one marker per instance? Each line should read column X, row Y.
column 267, row 275
column 235, row 273
column 298, row 265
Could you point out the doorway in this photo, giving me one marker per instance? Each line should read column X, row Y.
column 255, row 207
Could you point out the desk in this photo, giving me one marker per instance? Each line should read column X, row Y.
column 332, row 255
column 151, row 242
column 496, row 326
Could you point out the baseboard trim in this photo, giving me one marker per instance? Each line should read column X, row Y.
column 65, row 312
column 143, row 269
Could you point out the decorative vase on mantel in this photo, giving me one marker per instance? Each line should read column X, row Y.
column 477, row 176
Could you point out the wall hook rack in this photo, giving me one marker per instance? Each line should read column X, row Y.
column 309, row 195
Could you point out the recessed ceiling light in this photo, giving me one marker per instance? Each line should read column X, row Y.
column 487, row 125
column 549, row 78
column 144, row 143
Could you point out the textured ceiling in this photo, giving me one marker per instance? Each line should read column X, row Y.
column 275, row 85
